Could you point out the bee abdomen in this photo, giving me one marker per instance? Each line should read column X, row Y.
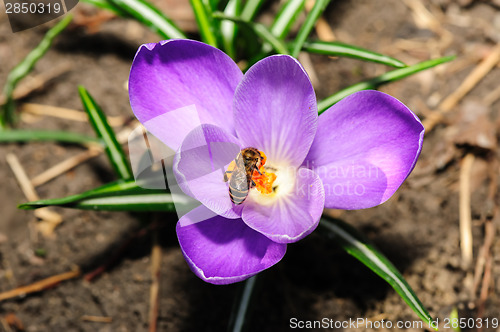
column 237, row 196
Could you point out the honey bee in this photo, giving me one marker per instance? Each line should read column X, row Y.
column 240, row 177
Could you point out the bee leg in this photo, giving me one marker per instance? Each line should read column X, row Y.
column 226, row 177
column 253, row 184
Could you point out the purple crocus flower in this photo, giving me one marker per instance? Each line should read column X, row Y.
column 354, row 156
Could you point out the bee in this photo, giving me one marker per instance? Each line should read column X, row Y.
column 240, row 177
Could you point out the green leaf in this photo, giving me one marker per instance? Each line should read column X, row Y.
column 286, row 17
column 203, row 15
column 25, row 67
column 373, row 83
column 454, row 320
column 241, row 308
column 214, row 5
column 149, row 15
column 305, row 29
column 356, row 245
column 229, row 29
column 103, row 130
column 260, row 30
column 250, row 9
column 115, row 188
column 137, row 203
column 341, row 49
column 105, row 4
column 284, row 20
column 116, row 196
column 45, row 135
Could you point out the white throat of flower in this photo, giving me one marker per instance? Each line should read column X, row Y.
column 281, row 187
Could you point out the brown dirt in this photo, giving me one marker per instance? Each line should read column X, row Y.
column 417, row 228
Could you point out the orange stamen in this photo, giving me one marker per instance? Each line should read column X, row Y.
column 264, row 158
column 264, row 182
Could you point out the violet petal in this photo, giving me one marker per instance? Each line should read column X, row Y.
column 199, row 168
column 366, row 146
column 176, row 85
column 224, row 251
column 291, row 217
column 275, row 110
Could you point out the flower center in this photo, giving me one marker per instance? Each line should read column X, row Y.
column 249, row 171
column 253, row 168
column 265, row 179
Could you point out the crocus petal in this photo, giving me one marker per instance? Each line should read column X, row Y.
column 199, row 168
column 223, row 251
column 292, row 217
column 275, row 110
column 365, row 147
column 177, row 85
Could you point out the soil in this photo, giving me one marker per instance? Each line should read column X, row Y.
column 417, row 229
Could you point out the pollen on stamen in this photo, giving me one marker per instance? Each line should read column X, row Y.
column 263, row 178
column 264, row 182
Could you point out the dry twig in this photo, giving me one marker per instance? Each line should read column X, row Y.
column 66, row 113
column 155, row 284
column 49, row 219
column 65, row 166
column 76, row 160
column 97, row 319
column 40, row 285
column 465, row 210
column 467, row 85
column 34, row 83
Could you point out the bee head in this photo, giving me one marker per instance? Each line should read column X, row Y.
column 252, row 155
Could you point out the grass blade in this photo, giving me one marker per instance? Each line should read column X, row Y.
column 116, row 188
column 229, row 29
column 115, row 196
column 250, row 9
column 203, row 15
column 341, row 49
column 305, row 29
column 161, row 202
column 150, row 16
column 242, row 304
column 214, row 5
column 7, row 136
column 260, row 30
column 103, row 130
column 105, row 4
column 373, row 83
column 284, row 20
column 286, row 17
column 24, row 67
column 354, row 244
